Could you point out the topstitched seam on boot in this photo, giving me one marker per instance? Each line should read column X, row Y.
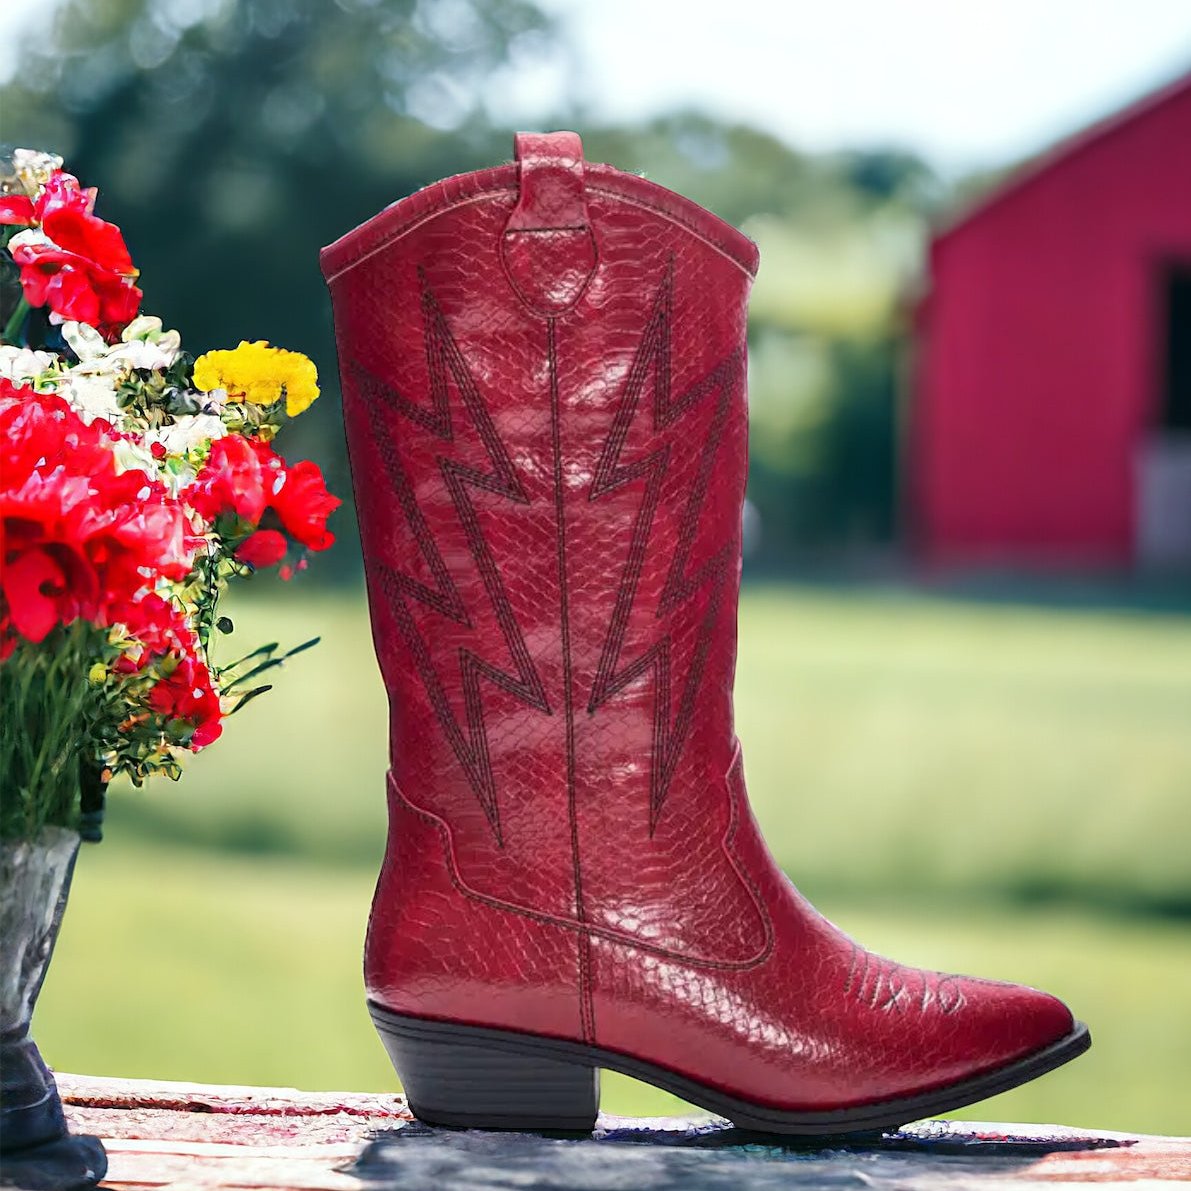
column 668, row 739
column 686, row 223
column 560, row 538
column 368, row 250
column 473, row 755
column 525, row 299
column 602, row 932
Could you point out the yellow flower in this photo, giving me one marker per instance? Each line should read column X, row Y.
column 259, row 374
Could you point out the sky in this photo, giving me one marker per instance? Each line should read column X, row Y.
column 969, row 84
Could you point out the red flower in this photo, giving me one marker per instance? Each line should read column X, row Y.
column 304, row 504
column 62, row 192
column 42, row 427
column 16, row 208
column 263, row 549
column 185, row 692
column 154, row 626
column 246, row 477
column 76, row 536
column 81, row 268
column 238, row 477
column 34, row 586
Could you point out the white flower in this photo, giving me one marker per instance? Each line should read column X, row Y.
column 34, row 167
column 134, row 456
column 143, row 345
column 187, row 432
column 146, row 330
column 86, row 342
column 177, row 475
column 31, row 235
column 140, row 353
column 92, row 396
column 22, row 364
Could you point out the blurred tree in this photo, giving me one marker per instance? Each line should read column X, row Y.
column 842, row 238
column 231, row 139
column 741, row 172
column 823, row 442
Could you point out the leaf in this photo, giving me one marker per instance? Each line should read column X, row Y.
column 249, row 696
column 297, row 649
column 256, row 653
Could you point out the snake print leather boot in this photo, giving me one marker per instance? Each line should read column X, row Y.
column 543, row 371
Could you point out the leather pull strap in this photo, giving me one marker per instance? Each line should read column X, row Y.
column 548, row 248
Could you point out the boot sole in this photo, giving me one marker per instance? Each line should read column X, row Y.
column 475, row 1077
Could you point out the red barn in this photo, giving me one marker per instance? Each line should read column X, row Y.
column 1051, row 422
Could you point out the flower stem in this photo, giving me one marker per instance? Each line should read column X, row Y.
column 15, row 322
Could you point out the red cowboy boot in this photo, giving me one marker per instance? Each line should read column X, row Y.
column 543, row 371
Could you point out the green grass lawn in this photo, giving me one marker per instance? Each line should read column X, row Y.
column 892, row 743
column 969, row 786
column 176, row 964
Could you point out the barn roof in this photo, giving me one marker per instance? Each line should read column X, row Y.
column 1062, row 151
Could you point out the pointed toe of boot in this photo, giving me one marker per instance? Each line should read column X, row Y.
column 1042, row 1019
column 988, row 1036
column 1005, row 1022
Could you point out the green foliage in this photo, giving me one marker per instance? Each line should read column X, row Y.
column 740, row 172
column 47, row 705
column 824, row 463
column 231, row 139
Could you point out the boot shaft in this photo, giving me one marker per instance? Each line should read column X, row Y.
column 544, row 388
column 543, row 372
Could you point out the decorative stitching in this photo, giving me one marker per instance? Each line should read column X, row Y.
column 653, row 355
column 403, row 229
column 686, row 223
column 545, row 231
column 607, row 933
column 446, row 364
column 525, row 299
column 585, row 1010
column 855, row 954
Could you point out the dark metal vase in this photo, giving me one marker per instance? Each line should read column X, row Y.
column 37, row 1151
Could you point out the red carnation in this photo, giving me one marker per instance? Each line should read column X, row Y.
column 80, row 266
column 62, row 192
column 238, row 477
column 264, row 548
column 303, row 504
column 246, row 477
column 186, row 693
column 16, row 208
column 154, row 626
column 76, row 536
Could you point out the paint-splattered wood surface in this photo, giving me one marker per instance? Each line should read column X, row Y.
column 174, row 1135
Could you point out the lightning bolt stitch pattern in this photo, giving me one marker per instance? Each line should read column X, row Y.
column 544, row 393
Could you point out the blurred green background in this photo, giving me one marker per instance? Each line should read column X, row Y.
column 231, row 140
column 989, row 777
column 996, row 788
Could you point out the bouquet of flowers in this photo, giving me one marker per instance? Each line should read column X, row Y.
column 135, row 482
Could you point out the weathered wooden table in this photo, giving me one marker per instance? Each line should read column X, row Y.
column 196, row 1136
